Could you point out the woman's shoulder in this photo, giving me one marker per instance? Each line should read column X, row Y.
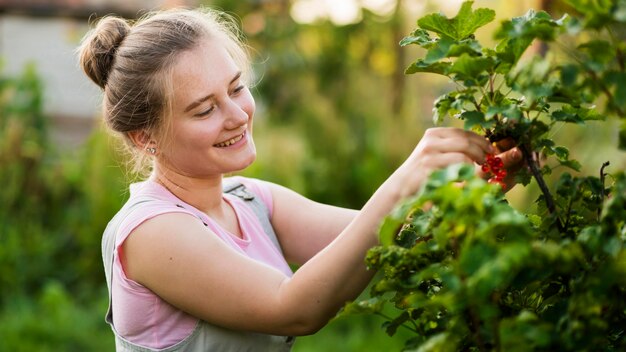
column 146, row 201
column 256, row 186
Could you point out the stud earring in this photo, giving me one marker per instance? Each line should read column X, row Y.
column 151, row 150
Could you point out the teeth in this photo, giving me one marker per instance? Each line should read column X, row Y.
column 229, row 142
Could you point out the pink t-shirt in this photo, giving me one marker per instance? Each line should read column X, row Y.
column 142, row 317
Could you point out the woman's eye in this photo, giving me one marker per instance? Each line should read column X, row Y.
column 238, row 89
column 205, row 112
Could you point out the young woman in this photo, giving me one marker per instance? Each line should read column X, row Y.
column 190, row 267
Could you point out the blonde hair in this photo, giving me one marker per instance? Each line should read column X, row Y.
column 132, row 62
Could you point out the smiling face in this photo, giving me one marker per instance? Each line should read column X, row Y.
column 211, row 124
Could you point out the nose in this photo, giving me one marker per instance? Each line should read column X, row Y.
column 237, row 114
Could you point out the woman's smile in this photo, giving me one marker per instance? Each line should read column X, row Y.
column 233, row 142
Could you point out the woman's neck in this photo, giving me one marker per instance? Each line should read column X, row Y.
column 205, row 194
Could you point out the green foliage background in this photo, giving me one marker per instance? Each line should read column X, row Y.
column 335, row 116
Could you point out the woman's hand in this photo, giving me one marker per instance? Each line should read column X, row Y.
column 438, row 148
column 512, row 161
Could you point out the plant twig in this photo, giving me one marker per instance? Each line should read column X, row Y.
column 475, row 324
column 602, row 179
column 530, row 161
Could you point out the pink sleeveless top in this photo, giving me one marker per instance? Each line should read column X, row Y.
column 139, row 315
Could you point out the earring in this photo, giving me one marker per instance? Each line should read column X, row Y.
column 151, row 150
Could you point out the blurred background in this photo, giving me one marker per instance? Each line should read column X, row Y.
column 335, row 116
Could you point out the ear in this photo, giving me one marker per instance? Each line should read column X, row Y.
column 141, row 139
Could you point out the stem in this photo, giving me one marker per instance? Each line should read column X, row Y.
column 530, row 161
column 415, row 330
column 569, row 212
column 602, row 179
column 484, row 94
column 475, row 323
column 495, row 298
column 619, row 54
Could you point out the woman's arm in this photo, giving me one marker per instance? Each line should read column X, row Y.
column 175, row 256
column 304, row 227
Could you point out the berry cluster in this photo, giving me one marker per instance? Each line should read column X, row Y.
column 495, row 166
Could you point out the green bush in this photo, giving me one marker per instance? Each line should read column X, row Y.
column 466, row 271
column 55, row 208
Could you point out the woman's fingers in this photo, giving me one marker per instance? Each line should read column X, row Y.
column 462, row 136
column 454, row 140
column 512, row 159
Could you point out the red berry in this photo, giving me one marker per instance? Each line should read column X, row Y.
column 501, row 174
column 485, row 168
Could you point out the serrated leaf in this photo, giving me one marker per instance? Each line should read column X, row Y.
column 447, row 47
column 507, row 110
column 618, row 81
column 471, row 67
column 578, row 115
column 441, row 68
column 459, row 27
column 475, row 118
column 517, row 34
column 465, row 46
column 370, row 306
column 569, row 74
column 439, row 50
column 389, row 230
column 392, row 326
column 561, row 152
column 600, row 53
column 419, row 37
column 572, row 164
column 596, row 12
column 563, row 116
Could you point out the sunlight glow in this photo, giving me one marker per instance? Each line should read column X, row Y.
column 339, row 12
column 343, row 12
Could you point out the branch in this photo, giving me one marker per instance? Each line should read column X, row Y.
column 602, row 178
column 530, row 161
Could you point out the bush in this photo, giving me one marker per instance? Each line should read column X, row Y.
column 54, row 211
column 466, row 271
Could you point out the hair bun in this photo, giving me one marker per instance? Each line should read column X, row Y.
column 97, row 52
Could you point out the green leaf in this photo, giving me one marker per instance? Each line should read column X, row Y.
column 419, row 37
column 509, row 110
column 439, row 50
column 561, row 152
column 578, row 115
column 469, row 67
column 600, row 53
column 618, row 81
column 572, row 164
column 465, row 46
column 453, row 103
column 464, row 24
column 447, row 47
column 370, row 306
column 569, row 74
column 389, row 230
column 392, row 326
column 596, row 12
column 441, row 68
column 476, row 118
column 517, row 34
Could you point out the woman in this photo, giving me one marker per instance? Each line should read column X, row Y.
column 190, row 267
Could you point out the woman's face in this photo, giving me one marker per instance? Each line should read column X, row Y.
column 212, row 110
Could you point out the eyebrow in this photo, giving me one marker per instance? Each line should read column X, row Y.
column 203, row 99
